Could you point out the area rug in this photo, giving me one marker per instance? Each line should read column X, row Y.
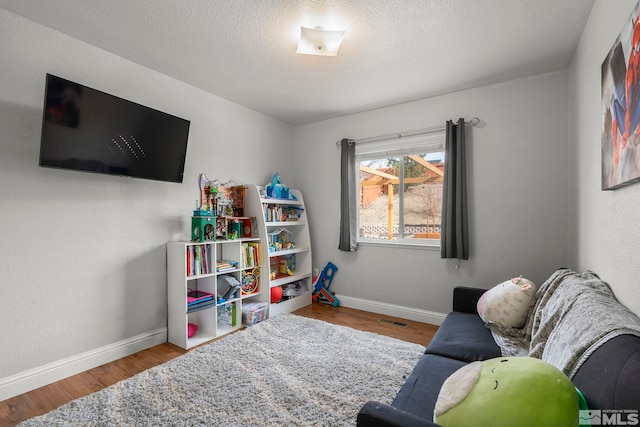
column 285, row 371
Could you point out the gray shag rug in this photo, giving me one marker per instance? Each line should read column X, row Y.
column 286, row 371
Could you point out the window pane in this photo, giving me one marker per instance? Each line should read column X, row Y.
column 423, row 174
column 400, row 194
column 379, row 211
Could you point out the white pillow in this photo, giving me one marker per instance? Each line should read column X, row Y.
column 507, row 303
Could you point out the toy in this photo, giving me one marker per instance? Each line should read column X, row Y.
column 508, row 391
column 282, row 266
column 228, row 288
column 208, row 193
column 220, row 199
column 192, row 328
column 321, row 286
column 276, row 294
column 294, row 289
column 507, row 303
column 227, row 314
column 202, row 228
column 250, row 281
column 279, row 240
column 277, row 190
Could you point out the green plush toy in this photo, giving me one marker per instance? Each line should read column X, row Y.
column 507, row 392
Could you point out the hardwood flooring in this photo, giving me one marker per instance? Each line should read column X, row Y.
column 416, row 332
column 49, row 397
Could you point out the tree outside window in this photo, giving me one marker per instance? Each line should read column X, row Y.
column 401, row 196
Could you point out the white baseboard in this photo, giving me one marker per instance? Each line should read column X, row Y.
column 416, row 314
column 33, row 378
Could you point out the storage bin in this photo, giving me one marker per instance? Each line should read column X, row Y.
column 254, row 312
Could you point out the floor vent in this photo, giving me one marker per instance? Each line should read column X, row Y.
column 394, row 323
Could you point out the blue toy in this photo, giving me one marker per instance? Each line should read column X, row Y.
column 277, row 190
column 321, row 286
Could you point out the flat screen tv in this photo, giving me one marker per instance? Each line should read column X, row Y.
column 89, row 130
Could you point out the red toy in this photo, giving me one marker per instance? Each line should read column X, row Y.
column 276, row 294
column 192, row 328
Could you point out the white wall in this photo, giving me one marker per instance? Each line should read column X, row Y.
column 83, row 256
column 605, row 227
column 518, row 193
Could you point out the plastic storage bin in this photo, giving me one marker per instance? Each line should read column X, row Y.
column 254, row 312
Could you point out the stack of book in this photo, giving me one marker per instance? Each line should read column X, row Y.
column 197, row 300
column 224, row 265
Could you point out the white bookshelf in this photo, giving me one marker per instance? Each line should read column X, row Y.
column 181, row 278
column 259, row 206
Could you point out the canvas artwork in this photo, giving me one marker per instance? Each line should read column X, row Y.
column 621, row 108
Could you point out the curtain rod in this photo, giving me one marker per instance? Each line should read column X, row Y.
column 473, row 122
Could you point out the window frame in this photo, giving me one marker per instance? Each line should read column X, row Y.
column 400, row 147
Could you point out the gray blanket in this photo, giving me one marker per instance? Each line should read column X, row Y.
column 571, row 316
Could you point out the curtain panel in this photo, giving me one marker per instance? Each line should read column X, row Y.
column 455, row 228
column 348, row 197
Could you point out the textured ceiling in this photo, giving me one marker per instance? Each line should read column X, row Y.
column 394, row 50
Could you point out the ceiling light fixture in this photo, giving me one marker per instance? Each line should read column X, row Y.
column 318, row 41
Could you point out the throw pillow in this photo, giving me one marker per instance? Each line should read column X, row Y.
column 508, row 391
column 507, row 303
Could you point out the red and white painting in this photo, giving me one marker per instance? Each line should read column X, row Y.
column 621, row 108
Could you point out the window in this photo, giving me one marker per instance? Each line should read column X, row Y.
column 400, row 189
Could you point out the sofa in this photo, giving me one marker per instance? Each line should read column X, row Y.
column 608, row 374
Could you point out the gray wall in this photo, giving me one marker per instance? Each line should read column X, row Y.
column 518, row 193
column 605, row 225
column 83, row 255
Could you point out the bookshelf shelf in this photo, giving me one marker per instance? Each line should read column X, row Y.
column 286, row 223
column 288, row 251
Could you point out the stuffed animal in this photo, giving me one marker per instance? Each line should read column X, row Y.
column 507, row 392
column 507, row 303
column 192, row 328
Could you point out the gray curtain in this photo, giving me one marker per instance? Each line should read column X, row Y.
column 348, row 197
column 455, row 228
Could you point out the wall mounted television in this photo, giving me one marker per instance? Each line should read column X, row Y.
column 88, row 130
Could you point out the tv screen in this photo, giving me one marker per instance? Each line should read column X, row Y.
column 89, row 130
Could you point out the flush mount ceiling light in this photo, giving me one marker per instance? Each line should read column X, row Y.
column 318, row 41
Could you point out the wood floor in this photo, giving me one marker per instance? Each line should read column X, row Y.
column 47, row 398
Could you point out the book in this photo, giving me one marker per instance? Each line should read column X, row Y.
column 196, row 296
column 256, row 253
column 224, row 265
column 189, row 268
column 200, row 306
